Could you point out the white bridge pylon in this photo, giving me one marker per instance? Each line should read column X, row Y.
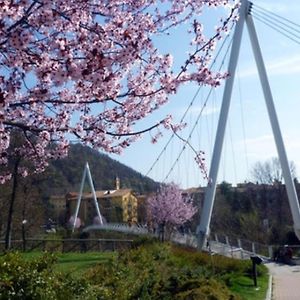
column 245, row 17
column 87, row 172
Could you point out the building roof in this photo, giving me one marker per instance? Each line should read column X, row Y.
column 100, row 194
column 193, row 190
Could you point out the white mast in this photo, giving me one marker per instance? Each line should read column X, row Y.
column 203, row 228
column 87, row 172
column 288, row 179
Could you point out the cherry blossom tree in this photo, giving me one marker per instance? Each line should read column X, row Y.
column 90, row 70
column 169, row 208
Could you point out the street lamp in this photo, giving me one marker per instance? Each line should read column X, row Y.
column 24, row 222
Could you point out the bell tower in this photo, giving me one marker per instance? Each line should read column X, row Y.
column 117, row 183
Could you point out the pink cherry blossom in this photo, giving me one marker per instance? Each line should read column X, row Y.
column 89, row 70
column 169, row 207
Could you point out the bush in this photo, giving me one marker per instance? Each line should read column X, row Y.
column 155, row 272
column 217, row 264
column 21, row 279
column 143, row 241
column 150, row 271
column 208, row 289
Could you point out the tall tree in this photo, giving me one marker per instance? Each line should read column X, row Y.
column 270, row 172
column 91, row 70
column 169, row 208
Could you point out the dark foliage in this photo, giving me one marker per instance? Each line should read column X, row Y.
column 159, row 271
column 67, row 172
column 21, row 279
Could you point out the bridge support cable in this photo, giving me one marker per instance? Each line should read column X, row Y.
column 204, row 105
column 243, row 122
column 278, row 23
column 86, row 172
column 288, row 34
column 190, row 104
column 279, row 19
column 203, row 228
column 232, row 153
column 289, row 182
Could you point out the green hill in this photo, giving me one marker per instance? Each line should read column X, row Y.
column 65, row 174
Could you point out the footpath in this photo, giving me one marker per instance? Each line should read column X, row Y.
column 286, row 281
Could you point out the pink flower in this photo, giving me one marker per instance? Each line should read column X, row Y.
column 169, row 206
column 91, row 70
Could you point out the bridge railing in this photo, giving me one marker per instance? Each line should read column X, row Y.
column 241, row 248
column 135, row 229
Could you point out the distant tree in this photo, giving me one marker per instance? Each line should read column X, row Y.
column 270, row 172
column 21, row 200
column 170, row 208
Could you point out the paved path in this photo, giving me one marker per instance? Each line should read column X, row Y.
column 286, row 281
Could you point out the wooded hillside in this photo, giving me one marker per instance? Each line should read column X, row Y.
column 66, row 173
column 61, row 177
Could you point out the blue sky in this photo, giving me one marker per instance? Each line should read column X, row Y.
column 248, row 134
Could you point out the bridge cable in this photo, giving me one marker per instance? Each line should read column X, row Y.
column 268, row 19
column 243, row 120
column 278, row 18
column 198, row 118
column 274, row 26
column 187, row 110
column 232, row 152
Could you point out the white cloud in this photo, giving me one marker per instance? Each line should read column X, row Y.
column 259, row 148
column 263, row 147
column 280, row 66
column 206, row 111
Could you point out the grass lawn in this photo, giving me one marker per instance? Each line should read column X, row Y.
column 75, row 263
column 78, row 263
column 244, row 286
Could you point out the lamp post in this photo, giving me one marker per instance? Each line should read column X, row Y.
column 24, row 222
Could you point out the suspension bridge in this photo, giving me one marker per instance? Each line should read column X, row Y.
column 284, row 280
column 205, row 100
column 228, row 52
column 287, row 29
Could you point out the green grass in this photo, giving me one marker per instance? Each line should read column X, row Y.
column 244, row 287
column 79, row 262
column 75, row 263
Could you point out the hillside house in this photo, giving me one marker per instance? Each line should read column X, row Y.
column 116, row 206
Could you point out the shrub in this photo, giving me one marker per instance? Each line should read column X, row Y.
column 143, row 241
column 35, row 279
column 207, row 289
column 155, row 272
column 217, row 264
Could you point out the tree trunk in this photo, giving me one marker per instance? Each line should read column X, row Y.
column 162, row 231
column 11, row 206
column 24, row 221
column 23, row 238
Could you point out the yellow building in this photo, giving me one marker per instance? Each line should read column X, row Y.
column 116, row 206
